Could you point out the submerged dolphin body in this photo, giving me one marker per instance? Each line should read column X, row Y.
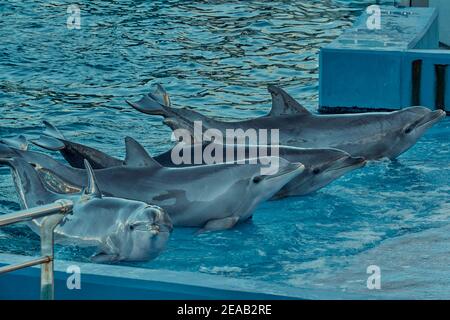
column 189, row 195
column 370, row 135
column 322, row 166
column 120, row 229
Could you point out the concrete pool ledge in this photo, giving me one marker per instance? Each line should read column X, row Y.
column 397, row 65
column 99, row 281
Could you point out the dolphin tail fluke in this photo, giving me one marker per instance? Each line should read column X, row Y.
column 149, row 106
column 52, row 131
column 49, row 143
column 7, row 152
column 154, row 103
column 29, row 186
column 19, row 142
column 50, row 139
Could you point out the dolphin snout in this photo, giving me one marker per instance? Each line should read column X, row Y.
column 431, row 118
column 437, row 115
column 292, row 167
column 441, row 113
column 348, row 162
column 161, row 220
column 355, row 161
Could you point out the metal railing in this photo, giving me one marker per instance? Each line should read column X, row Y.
column 52, row 215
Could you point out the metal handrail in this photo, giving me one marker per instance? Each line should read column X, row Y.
column 52, row 215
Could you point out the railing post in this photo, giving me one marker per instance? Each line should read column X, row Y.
column 48, row 225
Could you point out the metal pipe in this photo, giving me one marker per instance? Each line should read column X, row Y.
column 59, row 206
column 27, row 264
column 52, row 215
column 47, row 241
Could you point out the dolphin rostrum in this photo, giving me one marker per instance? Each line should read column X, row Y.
column 188, row 194
column 370, row 135
column 120, row 229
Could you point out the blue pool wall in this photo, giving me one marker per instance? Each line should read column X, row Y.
column 358, row 73
column 112, row 282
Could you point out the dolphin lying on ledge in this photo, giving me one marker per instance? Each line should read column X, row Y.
column 322, row 166
column 189, row 194
column 370, row 135
column 121, row 230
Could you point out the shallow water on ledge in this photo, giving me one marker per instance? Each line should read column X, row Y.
column 220, row 62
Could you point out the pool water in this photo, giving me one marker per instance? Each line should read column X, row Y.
column 218, row 58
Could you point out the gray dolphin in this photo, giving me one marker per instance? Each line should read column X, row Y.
column 74, row 153
column 322, row 166
column 120, row 229
column 20, row 142
column 370, row 135
column 190, row 195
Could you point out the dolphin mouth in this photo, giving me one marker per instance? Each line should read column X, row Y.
column 431, row 118
column 348, row 163
column 152, row 228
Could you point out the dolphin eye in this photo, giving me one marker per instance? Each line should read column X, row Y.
column 257, row 179
column 131, row 227
column 316, row 171
column 408, row 130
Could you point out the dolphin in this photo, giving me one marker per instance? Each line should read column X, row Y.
column 20, row 142
column 322, row 166
column 74, row 153
column 373, row 136
column 120, row 229
column 188, row 194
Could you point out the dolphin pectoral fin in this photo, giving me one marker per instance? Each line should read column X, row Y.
column 102, row 257
column 283, row 104
column 48, row 143
column 219, row 224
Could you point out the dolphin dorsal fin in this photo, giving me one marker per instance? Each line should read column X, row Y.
column 52, row 131
column 283, row 104
column 137, row 156
column 161, row 96
column 92, row 187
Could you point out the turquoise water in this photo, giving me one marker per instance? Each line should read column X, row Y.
column 219, row 57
